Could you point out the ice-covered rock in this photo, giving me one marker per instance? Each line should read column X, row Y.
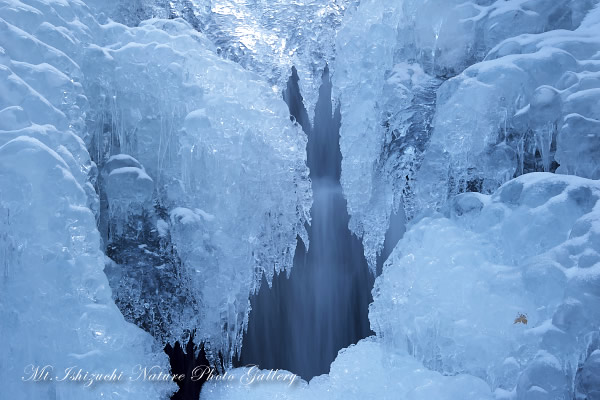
column 504, row 287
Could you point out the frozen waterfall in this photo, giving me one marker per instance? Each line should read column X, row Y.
column 414, row 214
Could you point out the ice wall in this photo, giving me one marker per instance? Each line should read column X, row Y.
column 198, row 184
column 55, row 303
column 529, row 106
column 391, row 57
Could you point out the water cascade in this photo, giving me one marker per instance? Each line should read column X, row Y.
column 301, row 322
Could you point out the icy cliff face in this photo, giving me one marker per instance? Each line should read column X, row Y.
column 392, row 57
column 55, row 303
column 225, row 167
column 198, row 183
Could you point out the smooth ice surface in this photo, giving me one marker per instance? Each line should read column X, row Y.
column 456, row 288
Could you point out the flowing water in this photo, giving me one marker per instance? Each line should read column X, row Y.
column 303, row 321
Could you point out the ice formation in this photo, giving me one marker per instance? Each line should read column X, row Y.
column 530, row 249
column 392, row 56
column 542, row 90
column 198, row 186
column 145, row 145
column 475, row 304
column 49, row 244
column 265, row 37
column 363, row 370
column 55, row 305
column 500, row 289
column 189, row 124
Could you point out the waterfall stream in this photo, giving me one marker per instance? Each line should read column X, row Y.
column 301, row 322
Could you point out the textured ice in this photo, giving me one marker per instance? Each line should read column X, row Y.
column 456, row 288
column 171, row 126
column 530, row 106
column 211, row 136
column 392, row 56
column 55, row 304
column 166, row 144
column 210, row 143
column 587, row 385
column 265, row 37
